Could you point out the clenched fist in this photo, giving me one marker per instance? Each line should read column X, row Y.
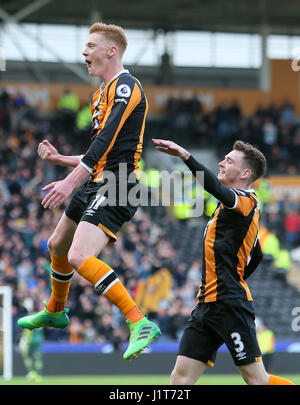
column 48, row 152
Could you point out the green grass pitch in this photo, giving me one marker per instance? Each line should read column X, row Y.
column 216, row 379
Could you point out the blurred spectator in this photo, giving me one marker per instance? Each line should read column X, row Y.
column 269, row 244
column 266, row 341
column 75, row 330
column 194, row 273
column 275, row 223
column 30, row 345
column 288, row 114
column 89, row 333
column 19, row 101
column 68, row 105
column 282, row 263
column 83, row 125
column 105, row 329
column 292, row 227
column 165, row 320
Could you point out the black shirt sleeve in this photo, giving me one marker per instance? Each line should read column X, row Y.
column 211, row 184
column 256, row 258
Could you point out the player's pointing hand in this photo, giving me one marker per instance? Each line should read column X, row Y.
column 171, row 148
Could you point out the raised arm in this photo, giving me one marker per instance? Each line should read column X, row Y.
column 49, row 153
column 211, row 184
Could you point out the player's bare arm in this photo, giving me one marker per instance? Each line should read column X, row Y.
column 50, row 154
column 59, row 191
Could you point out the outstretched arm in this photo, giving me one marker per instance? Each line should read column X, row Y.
column 171, row 148
column 211, row 184
column 49, row 153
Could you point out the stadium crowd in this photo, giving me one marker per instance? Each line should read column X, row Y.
column 273, row 129
column 143, row 257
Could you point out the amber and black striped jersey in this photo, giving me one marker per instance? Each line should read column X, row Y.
column 230, row 238
column 119, row 112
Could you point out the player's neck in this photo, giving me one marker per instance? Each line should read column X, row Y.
column 112, row 71
column 239, row 185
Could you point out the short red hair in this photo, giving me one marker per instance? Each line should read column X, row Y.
column 112, row 33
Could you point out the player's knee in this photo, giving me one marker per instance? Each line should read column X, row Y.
column 179, row 376
column 53, row 244
column 255, row 378
column 57, row 246
column 75, row 258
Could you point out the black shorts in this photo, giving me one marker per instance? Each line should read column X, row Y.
column 214, row 323
column 89, row 204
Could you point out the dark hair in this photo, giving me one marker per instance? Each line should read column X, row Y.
column 254, row 158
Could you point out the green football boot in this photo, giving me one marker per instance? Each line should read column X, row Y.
column 58, row 320
column 142, row 333
column 34, row 377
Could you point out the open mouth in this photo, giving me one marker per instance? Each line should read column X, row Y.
column 88, row 63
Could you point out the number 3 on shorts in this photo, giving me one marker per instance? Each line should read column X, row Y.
column 237, row 342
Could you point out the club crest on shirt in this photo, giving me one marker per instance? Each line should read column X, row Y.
column 123, row 90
